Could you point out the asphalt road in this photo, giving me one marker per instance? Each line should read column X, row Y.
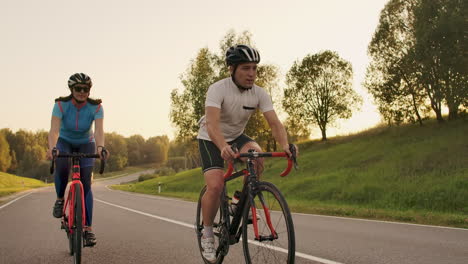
column 135, row 228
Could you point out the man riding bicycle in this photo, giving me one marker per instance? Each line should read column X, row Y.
column 70, row 131
column 229, row 104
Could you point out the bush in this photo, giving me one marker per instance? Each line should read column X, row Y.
column 176, row 163
column 145, row 177
column 165, row 171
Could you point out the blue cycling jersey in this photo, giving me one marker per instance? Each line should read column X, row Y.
column 77, row 119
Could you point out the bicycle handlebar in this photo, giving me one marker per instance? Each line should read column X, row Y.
column 254, row 155
column 80, row 156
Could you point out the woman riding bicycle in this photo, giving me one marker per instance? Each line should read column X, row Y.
column 71, row 131
column 229, row 104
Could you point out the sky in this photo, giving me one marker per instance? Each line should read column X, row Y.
column 135, row 52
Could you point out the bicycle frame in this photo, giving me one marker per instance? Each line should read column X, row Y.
column 76, row 176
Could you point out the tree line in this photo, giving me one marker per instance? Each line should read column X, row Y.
column 23, row 152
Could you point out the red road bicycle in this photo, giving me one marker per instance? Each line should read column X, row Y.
column 269, row 236
column 74, row 213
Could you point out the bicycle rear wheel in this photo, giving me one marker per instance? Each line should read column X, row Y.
column 77, row 234
column 272, row 214
column 220, row 230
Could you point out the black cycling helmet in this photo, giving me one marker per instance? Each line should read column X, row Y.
column 79, row 78
column 241, row 54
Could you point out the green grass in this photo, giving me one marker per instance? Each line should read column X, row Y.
column 408, row 173
column 10, row 184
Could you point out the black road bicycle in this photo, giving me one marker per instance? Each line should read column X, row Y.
column 262, row 217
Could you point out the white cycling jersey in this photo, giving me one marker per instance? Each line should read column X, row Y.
column 236, row 107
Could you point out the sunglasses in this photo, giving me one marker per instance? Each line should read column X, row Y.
column 81, row 89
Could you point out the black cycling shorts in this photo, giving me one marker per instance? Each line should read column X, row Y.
column 211, row 155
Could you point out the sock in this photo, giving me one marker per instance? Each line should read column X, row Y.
column 208, row 231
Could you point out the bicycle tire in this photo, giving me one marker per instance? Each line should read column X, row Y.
column 220, row 230
column 67, row 228
column 269, row 250
column 70, row 243
column 78, row 225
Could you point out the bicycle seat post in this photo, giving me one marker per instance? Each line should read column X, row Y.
column 76, row 167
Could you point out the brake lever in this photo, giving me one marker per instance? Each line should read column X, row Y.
column 103, row 160
column 296, row 166
column 52, row 163
column 292, row 148
column 104, row 153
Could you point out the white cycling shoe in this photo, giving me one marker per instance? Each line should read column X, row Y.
column 209, row 252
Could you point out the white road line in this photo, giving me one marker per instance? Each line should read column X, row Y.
column 298, row 254
column 146, row 214
column 149, row 196
column 381, row 221
column 303, row 214
column 12, row 201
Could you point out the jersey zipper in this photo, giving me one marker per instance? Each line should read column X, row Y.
column 77, row 117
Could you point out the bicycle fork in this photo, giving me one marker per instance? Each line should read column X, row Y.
column 70, row 220
column 266, row 210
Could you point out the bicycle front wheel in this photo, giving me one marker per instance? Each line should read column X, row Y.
column 78, row 225
column 65, row 223
column 219, row 229
column 271, row 238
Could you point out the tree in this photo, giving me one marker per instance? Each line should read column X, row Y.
column 419, row 58
column 5, row 158
column 176, row 149
column 10, row 138
column 33, row 156
column 19, row 141
column 320, row 90
column 441, row 45
column 27, row 151
column 156, row 148
column 117, row 147
column 189, row 106
column 392, row 76
column 298, row 130
column 135, row 146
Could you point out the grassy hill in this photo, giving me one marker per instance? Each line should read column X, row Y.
column 11, row 184
column 407, row 173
